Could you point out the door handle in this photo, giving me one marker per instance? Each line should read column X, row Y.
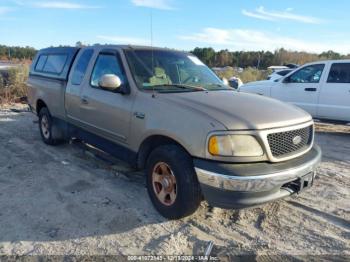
column 139, row 115
column 84, row 100
column 311, row 89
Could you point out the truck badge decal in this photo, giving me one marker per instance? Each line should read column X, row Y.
column 297, row 140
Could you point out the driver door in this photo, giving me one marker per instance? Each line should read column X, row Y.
column 103, row 112
column 301, row 88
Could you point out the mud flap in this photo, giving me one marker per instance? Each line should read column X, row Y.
column 59, row 129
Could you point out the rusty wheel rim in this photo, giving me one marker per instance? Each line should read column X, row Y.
column 45, row 127
column 164, row 183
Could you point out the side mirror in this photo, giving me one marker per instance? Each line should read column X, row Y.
column 110, row 82
column 225, row 81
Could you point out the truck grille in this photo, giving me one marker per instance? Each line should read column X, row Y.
column 284, row 144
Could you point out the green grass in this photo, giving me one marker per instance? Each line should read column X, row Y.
column 248, row 75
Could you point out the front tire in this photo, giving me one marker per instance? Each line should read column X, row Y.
column 46, row 127
column 172, row 182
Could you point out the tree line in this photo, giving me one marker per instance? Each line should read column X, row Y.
column 16, row 52
column 256, row 59
column 260, row 59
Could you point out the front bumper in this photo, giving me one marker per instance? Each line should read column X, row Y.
column 242, row 185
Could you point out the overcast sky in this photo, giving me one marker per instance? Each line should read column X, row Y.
column 313, row 26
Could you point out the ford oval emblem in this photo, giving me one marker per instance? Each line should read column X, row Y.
column 297, row 140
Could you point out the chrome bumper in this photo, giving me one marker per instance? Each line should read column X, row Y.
column 260, row 182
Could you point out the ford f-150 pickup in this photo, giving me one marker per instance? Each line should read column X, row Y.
column 167, row 113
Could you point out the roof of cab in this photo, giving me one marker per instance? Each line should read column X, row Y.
column 60, row 49
column 136, row 47
column 71, row 52
column 100, row 47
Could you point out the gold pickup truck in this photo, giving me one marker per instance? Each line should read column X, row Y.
column 166, row 112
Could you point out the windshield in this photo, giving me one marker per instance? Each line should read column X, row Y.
column 164, row 70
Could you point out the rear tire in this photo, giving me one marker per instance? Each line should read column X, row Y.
column 172, row 182
column 50, row 133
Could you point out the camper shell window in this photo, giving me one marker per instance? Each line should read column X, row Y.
column 54, row 62
column 51, row 64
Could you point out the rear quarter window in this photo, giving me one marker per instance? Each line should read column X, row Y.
column 339, row 73
column 80, row 68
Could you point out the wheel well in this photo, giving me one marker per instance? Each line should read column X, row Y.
column 39, row 105
column 149, row 144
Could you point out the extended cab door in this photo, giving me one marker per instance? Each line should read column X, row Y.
column 75, row 85
column 103, row 112
column 334, row 101
column 301, row 88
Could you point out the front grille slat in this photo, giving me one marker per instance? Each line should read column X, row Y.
column 282, row 145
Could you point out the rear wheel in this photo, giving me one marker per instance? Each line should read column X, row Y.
column 172, row 182
column 50, row 133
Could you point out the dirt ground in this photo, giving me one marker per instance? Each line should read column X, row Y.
column 74, row 200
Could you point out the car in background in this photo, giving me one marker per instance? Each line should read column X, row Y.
column 321, row 88
column 292, row 66
column 278, row 74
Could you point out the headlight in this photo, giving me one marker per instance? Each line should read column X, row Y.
column 234, row 145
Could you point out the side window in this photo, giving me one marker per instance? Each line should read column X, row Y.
column 339, row 73
column 41, row 62
column 308, row 74
column 107, row 64
column 80, row 68
column 55, row 63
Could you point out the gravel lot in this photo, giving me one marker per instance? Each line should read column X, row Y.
column 74, row 200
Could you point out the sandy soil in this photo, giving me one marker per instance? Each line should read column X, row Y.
column 74, row 200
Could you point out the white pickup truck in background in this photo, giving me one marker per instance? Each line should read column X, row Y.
column 320, row 88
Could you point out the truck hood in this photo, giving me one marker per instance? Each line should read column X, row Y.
column 240, row 111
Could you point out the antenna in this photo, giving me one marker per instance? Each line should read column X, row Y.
column 151, row 27
column 152, row 54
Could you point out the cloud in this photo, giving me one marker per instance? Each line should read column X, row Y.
column 246, row 39
column 62, row 5
column 124, row 40
column 261, row 13
column 157, row 4
column 211, row 35
column 256, row 15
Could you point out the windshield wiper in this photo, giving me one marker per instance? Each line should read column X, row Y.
column 220, row 87
column 182, row 86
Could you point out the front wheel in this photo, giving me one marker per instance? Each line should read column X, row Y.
column 172, row 182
